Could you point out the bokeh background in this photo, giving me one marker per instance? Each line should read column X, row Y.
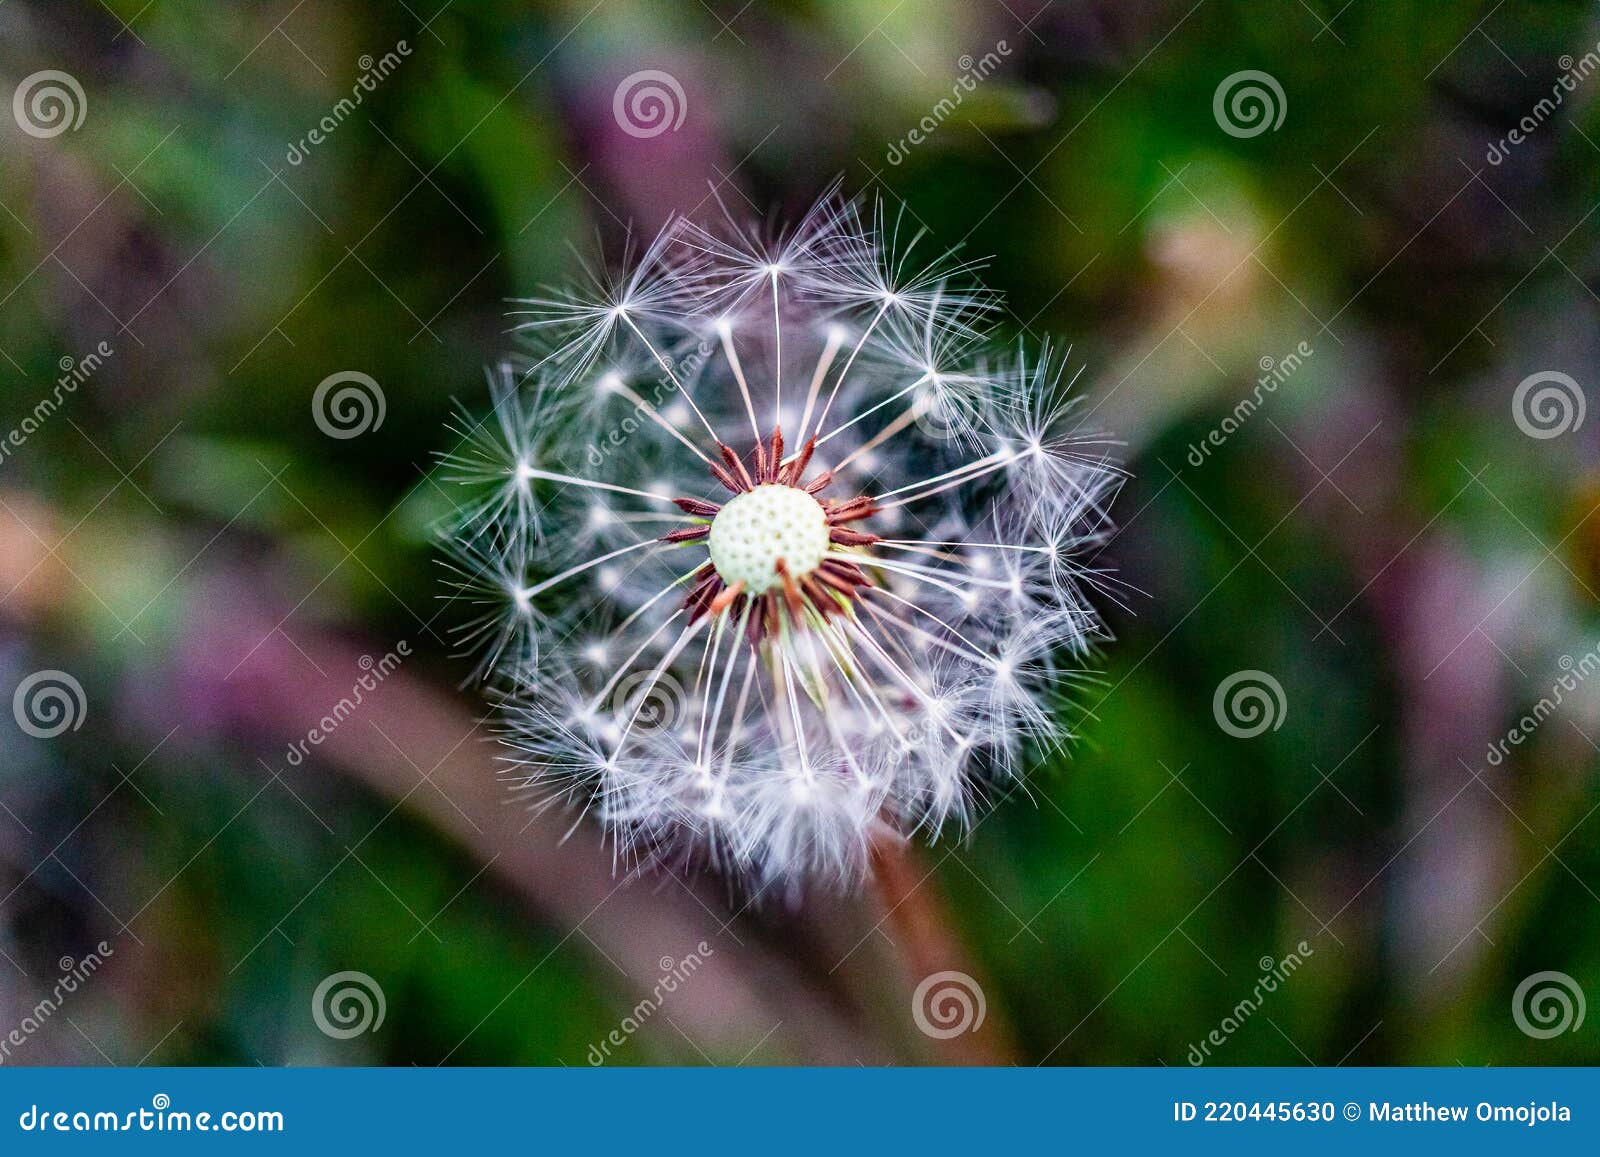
column 1384, row 536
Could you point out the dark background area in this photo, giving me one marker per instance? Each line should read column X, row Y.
column 1381, row 535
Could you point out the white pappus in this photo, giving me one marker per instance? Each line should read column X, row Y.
column 771, row 557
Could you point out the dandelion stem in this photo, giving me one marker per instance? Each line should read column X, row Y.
column 920, row 928
column 777, row 358
column 574, row 480
column 666, row 368
column 571, row 571
column 844, row 372
column 867, row 413
column 829, row 352
column 726, row 332
column 961, row 474
column 656, row 416
column 882, row 436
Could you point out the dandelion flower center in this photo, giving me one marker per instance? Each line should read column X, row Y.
column 774, row 544
column 761, row 529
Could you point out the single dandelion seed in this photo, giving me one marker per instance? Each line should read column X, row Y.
column 773, row 558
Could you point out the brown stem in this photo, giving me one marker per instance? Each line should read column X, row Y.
column 919, row 925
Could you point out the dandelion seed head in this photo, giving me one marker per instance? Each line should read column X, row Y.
column 770, row 556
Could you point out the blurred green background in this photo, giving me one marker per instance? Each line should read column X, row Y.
column 1381, row 536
